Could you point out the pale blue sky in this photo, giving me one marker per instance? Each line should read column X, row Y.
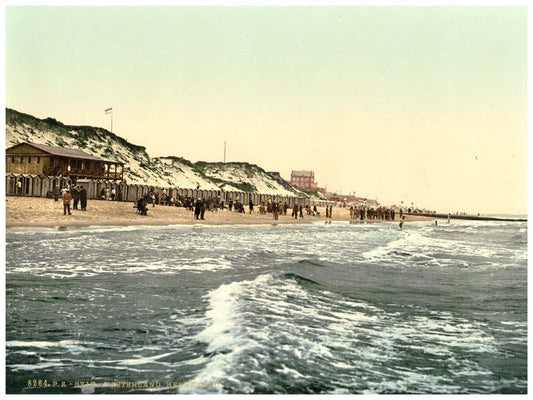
column 422, row 104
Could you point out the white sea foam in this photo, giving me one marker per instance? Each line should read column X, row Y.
column 38, row 344
column 233, row 338
column 144, row 360
column 70, row 345
column 32, row 367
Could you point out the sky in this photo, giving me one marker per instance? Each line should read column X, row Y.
column 420, row 105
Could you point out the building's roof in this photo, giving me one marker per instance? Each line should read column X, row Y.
column 64, row 152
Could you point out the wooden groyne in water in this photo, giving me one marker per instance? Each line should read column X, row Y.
column 470, row 217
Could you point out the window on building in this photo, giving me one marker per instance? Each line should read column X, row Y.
column 29, row 160
column 38, row 160
column 12, row 159
column 21, row 160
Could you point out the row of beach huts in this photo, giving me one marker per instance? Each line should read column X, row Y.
column 44, row 186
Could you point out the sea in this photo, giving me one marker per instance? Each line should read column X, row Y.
column 334, row 308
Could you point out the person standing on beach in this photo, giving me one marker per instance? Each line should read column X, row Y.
column 75, row 198
column 275, row 210
column 19, row 188
column 251, row 206
column 198, row 209
column 330, row 211
column 66, row 202
column 301, row 211
column 295, row 211
column 202, row 209
column 83, row 199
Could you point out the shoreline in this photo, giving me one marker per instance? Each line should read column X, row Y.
column 473, row 217
column 38, row 212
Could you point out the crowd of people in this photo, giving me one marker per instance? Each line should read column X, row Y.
column 200, row 206
column 383, row 213
column 78, row 195
column 214, row 204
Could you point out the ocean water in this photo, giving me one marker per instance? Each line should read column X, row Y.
column 340, row 308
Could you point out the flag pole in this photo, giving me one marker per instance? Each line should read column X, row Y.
column 110, row 111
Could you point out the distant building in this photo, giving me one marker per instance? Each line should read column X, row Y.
column 304, row 180
column 40, row 159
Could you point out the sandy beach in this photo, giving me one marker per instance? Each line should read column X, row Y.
column 42, row 212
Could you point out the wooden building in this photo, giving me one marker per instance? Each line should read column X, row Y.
column 40, row 159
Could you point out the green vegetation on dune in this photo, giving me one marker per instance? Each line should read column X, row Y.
column 83, row 133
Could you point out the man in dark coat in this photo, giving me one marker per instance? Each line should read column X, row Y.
column 198, row 209
column 202, row 209
column 83, row 199
column 75, row 197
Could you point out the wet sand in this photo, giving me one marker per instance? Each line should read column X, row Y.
column 41, row 212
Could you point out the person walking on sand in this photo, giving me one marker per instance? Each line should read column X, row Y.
column 251, row 206
column 66, row 202
column 301, row 211
column 295, row 211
